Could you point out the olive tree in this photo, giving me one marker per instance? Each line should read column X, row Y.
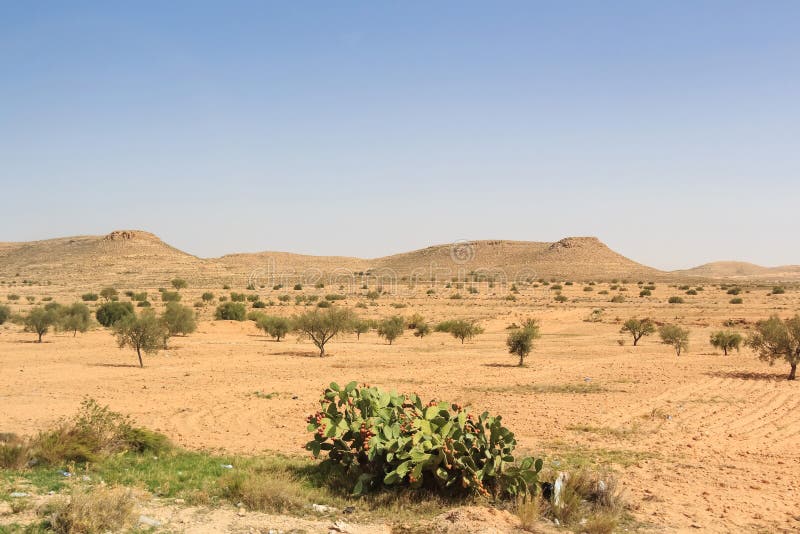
column 178, row 319
column 776, row 339
column 145, row 333
column 638, row 328
column 109, row 294
column 39, row 320
column 277, row 327
column 179, row 283
column 75, row 318
column 391, row 328
column 520, row 340
column 463, row 330
column 323, row 324
column 676, row 337
column 361, row 326
column 726, row 341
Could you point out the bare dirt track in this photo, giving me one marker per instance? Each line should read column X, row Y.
column 700, row 442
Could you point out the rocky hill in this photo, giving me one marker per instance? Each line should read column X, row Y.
column 135, row 258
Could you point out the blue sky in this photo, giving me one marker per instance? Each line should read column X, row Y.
column 670, row 130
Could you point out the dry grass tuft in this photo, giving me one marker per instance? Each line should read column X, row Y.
column 93, row 511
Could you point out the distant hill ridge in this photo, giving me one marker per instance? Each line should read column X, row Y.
column 136, row 258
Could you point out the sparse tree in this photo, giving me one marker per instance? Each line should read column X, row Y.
column 39, row 321
column 75, row 318
column 5, row 313
column 322, row 325
column 726, row 341
column 391, row 328
column 361, row 327
column 277, row 327
column 463, row 330
column 776, row 339
column 520, row 340
column 638, row 328
column 178, row 319
column 145, row 333
column 422, row 329
column 676, row 337
column 179, row 283
column 109, row 294
column 207, row 296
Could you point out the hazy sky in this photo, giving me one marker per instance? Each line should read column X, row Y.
column 670, row 130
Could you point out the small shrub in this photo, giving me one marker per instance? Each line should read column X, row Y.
column 238, row 297
column 734, row 291
column 170, row 296
column 12, row 297
column 230, row 311
column 111, row 312
column 561, row 298
column 778, row 290
column 618, row 299
column 90, row 297
column 645, row 293
column 334, row 297
column 298, row 287
column 676, row 300
column 207, row 296
column 737, row 300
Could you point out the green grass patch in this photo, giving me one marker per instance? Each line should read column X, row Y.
column 561, row 455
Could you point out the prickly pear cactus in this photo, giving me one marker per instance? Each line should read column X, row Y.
column 386, row 439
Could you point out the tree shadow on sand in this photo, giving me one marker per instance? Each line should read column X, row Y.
column 301, row 354
column 749, row 375
column 112, row 365
column 514, row 365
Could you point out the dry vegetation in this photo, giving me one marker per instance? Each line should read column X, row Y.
column 648, row 439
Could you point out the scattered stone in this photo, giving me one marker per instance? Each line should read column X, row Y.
column 339, row 527
column 242, row 512
column 180, row 501
column 322, row 508
column 349, row 509
column 149, row 521
column 18, row 494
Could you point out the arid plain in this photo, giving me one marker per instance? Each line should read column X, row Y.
column 699, row 441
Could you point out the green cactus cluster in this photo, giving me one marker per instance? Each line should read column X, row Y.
column 384, row 439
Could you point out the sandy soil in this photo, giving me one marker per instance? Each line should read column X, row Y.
column 700, row 442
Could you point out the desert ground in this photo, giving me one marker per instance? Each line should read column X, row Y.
column 699, row 442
